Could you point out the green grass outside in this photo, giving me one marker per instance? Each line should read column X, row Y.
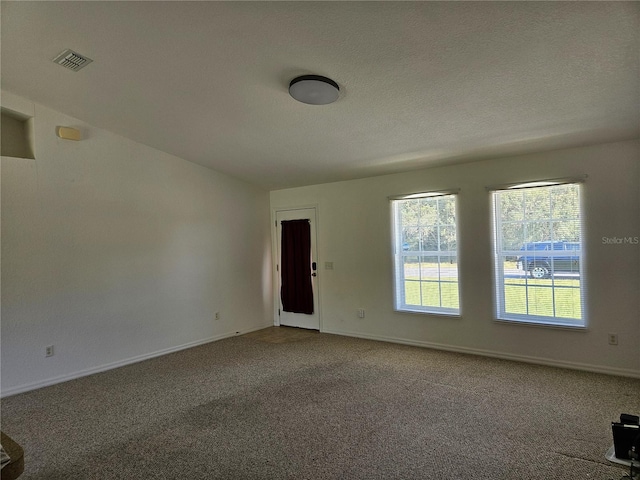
column 430, row 294
column 558, row 298
column 539, row 297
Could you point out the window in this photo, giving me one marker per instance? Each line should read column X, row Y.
column 538, row 254
column 426, row 253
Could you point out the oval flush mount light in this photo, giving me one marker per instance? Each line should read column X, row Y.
column 314, row 89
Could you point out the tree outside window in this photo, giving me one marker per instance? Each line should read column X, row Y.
column 426, row 254
column 538, row 254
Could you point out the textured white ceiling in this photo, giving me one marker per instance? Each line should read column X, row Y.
column 422, row 83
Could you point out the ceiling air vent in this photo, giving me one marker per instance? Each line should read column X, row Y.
column 72, row 60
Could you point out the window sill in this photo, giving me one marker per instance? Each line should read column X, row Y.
column 433, row 314
column 543, row 324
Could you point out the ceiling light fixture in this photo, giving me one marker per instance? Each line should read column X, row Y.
column 314, row 89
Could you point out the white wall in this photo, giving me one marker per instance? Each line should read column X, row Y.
column 354, row 233
column 113, row 252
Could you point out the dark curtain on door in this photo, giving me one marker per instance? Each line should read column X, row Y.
column 296, row 292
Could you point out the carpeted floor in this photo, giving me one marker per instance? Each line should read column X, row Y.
column 322, row 407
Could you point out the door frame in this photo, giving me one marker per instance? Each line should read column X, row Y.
column 274, row 255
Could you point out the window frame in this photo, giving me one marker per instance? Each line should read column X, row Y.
column 498, row 253
column 398, row 254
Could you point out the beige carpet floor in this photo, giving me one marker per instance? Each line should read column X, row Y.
column 322, row 407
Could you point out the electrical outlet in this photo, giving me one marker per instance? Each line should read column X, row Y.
column 217, row 316
column 613, row 339
column 48, row 351
column 361, row 313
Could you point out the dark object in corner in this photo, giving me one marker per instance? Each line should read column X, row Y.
column 15, row 467
column 626, row 435
column 629, row 419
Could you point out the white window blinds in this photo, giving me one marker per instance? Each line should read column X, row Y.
column 539, row 253
column 426, row 253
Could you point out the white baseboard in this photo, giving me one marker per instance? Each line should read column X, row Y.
column 623, row 372
column 437, row 346
column 121, row 363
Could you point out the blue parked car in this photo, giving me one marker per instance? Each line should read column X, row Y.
column 540, row 262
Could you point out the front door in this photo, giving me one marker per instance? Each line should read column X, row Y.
column 297, row 306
